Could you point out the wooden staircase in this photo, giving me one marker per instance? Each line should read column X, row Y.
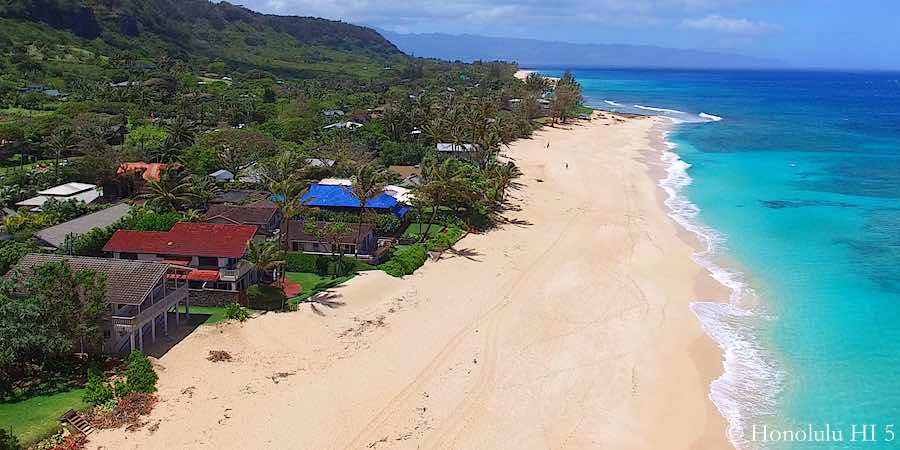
column 78, row 421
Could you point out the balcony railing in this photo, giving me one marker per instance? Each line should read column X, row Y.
column 236, row 273
column 172, row 296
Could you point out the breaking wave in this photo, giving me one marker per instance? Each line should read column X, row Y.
column 749, row 385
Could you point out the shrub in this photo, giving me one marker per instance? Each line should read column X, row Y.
column 8, row 441
column 405, row 260
column 266, row 298
column 392, row 268
column 236, row 312
column 98, row 390
column 445, row 239
column 139, row 376
column 301, row 262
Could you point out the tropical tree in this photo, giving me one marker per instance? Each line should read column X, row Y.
column 503, row 177
column 442, row 181
column 332, row 234
column 174, row 191
column 238, row 149
column 368, row 184
column 566, row 97
column 288, row 195
column 265, row 257
column 63, row 141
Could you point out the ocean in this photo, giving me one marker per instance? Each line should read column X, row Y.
column 793, row 180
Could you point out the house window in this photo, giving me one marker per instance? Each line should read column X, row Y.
column 296, row 246
column 205, row 261
column 128, row 256
column 348, row 248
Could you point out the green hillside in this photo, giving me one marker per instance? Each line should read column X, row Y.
column 94, row 39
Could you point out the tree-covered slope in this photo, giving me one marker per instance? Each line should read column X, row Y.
column 196, row 32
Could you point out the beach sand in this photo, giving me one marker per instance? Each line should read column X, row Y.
column 568, row 328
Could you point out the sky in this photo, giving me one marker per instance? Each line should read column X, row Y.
column 858, row 34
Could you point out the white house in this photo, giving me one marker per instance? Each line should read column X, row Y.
column 82, row 192
column 222, row 176
column 342, row 125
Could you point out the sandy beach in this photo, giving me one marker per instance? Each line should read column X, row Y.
column 569, row 327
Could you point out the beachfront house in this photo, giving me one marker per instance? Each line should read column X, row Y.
column 214, row 252
column 139, row 296
column 337, row 195
column 81, row 192
column 358, row 238
column 54, row 237
column 264, row 215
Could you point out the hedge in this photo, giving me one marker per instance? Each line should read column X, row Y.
column 322, row 264
column 266, row 298
column 405, row 260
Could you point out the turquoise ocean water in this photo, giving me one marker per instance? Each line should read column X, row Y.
column 793, row 178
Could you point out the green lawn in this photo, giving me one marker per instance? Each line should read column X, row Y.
column 36, row 418
column 313, row 284
column 13, row 167
column 215, row 314
column 414, row 230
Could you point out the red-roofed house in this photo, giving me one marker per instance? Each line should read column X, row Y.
column 213, row 250
column 132, row 178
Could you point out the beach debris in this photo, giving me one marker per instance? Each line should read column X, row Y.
column 188, row 391
column 277, row 376
column 539, row 180
column 219, row 356
column 128, row 412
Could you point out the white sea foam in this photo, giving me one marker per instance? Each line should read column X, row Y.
column 710, row 117
column 611, row 103
column 750, row 383
column 663, row 110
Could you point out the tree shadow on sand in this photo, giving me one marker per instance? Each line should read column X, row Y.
column 327, row 299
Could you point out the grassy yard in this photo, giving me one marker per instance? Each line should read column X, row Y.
column 313, row 284
column 215, row 314
column 36, row 418
column 415, row 230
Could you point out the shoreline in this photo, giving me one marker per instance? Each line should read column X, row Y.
column 570, row 326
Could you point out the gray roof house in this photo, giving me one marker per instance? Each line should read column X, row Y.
column 55, row 236
column 138, row 294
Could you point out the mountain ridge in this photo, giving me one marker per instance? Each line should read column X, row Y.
column 197, row 31
column 537, row 53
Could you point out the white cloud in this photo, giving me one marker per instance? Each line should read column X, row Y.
column 729, row 25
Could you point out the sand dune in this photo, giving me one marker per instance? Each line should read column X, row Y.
column 567, row 329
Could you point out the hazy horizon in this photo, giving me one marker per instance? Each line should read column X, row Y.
column 823, row 34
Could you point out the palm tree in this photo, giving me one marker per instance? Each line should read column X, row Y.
column 173, row 192
column 503, row 177
column 367, row 184
column 265, row 256
column 442, row 181
column 181, row 131
column 288, row 195
column 61, row 142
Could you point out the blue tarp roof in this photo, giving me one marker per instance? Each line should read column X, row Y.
column 324, row 195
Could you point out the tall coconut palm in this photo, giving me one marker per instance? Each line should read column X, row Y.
column 265, row 257
column 173, row 192
column 368, row 183
column 288, row 195
column 442, row 181
column 503, row 177
column 62, row 141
